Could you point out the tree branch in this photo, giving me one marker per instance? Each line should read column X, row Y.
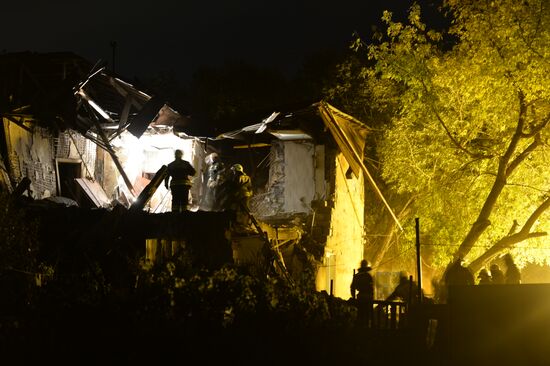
column 511, row 239
column 482, row 222
column 500, row 246
column 535, row 215
column 536, row 130
column 504, row 168
column 451, row 137
column 522, row 156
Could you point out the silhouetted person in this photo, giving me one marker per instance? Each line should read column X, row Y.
column 457, row 274
column 406, row 290
column 178, row 175
column 363, row 283
column 497, row 277
column 214, row 179
column 484, row 277
column 512, row 275
column 239, row 192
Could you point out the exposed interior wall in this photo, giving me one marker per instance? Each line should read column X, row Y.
column 142, row 158
column 319, row 166
column 344, row 246
column 72, row 145
column 106, row 173
column 291, row 185
column 31, row 155
column 298, row 176
column 271, row 202
column 36, row 155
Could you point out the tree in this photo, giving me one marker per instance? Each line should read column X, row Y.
column 467, row 134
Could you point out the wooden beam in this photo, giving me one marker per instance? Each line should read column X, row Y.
column 325, row 113
column 19, row 123
column 260, row 144
column 125, row 112
column 107, row 146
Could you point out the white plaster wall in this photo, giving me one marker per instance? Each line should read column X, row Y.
column 319, row 166
column 344, row 246
column 299, row 176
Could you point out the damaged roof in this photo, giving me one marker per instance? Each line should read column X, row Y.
column 63, row 90
column 308, row 123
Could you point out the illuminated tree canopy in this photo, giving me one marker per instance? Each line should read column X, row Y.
column 467, row 132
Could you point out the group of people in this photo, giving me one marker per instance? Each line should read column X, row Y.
column 458, row 274
column 495, row 276
column 362, row 292
column 362, row 285
column 224, row 190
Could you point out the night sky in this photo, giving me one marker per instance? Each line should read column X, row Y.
column 178, row 36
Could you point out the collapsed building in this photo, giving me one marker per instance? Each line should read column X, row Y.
column 310, row 181
column 84, row 137
column 77, row 131
column 80, row 136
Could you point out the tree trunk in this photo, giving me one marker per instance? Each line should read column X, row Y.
column 507, row 164
column 511, row 239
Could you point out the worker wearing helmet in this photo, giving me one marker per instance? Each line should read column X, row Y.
column 239, row 196
column 178, row 176
column 363, row 283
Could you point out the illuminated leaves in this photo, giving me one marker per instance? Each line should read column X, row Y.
column 453, row 116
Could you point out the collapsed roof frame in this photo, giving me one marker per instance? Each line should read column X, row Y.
column 62, row 91
column 107, row 106
column 348, row 133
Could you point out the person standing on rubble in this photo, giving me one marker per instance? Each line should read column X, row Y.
column 214, row 179
column 239, row 193
column 178, row 181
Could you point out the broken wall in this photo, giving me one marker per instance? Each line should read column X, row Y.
column 35, row 155
column 294, row 180
column 31, row 155
column 344, row 245
column 72, row 145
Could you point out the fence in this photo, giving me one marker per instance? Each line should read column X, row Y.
column 388, row 314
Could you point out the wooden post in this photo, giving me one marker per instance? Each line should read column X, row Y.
column 418, row 261
column 393, row 316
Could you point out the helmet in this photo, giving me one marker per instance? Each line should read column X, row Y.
column 483, row 273
column 212, row 158
column 365, row 264
column 237, row 168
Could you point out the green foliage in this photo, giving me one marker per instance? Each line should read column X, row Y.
column 234, row 297
column 18, row 238
column 20, row 268
column 453, row 117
